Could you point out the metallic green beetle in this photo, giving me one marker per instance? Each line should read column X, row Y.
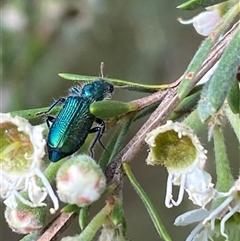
column 70, row 128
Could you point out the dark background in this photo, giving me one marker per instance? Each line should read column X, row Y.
column 139, row 41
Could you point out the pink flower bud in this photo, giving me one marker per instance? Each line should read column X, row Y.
column 25, row 219
column 80, row 181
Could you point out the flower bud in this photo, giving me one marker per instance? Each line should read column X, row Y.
column 24, row 219
column 80, row 181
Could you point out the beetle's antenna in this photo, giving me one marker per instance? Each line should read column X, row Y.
column 101, row 69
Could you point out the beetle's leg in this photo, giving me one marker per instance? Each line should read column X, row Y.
column 50, row 119
column 60, row 100
column 100, row 130
column 102, row 126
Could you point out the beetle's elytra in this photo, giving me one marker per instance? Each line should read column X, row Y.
column 70, row 128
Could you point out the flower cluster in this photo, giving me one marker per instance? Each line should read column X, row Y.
column 21, row 153
column 175, row 146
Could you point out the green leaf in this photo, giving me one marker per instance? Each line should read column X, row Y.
column 225, row 179
column 105, row 157
column 234, row 97
column 32, row 113
column 117, row 140
column 70, row 208
column 148, row 204
column 215, row 91
column 234, row 121
column 204, row 107
column 83, row 217
column 121, row 83
column 187, row 104
column 96, row 223
column 195, row 4
column 125, row 126
column 107, row 108
column 31, row 237
column 117, row 215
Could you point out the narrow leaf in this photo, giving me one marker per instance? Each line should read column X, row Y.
column 215, row 91
column 32, row 113
column 188, row 80
column 121, row 83
column 83, row 217
column 148, row 204
column 186, row 105
column 234, row 97
column 204, row 107
column 195, row 4
column 225, row 179
column 70, row 208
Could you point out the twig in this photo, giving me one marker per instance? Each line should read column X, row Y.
column 61, row 223
column 129, row 152
column 213, row 56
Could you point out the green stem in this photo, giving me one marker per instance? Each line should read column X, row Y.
column 105, row 157
column 193, row 121
column 126, row 123
column 225, row 179
column 52, row 169
column 89, row 232
column 117, row 141
column 148, row 204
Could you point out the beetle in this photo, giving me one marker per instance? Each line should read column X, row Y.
column 70, row 128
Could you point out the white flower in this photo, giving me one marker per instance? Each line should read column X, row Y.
column 176, row 147
column 207, row 227
column 200, row 232
column 227, row 208
column 21, row 153
column 205, row 22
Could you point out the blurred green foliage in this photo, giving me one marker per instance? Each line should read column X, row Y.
column 137, row 41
